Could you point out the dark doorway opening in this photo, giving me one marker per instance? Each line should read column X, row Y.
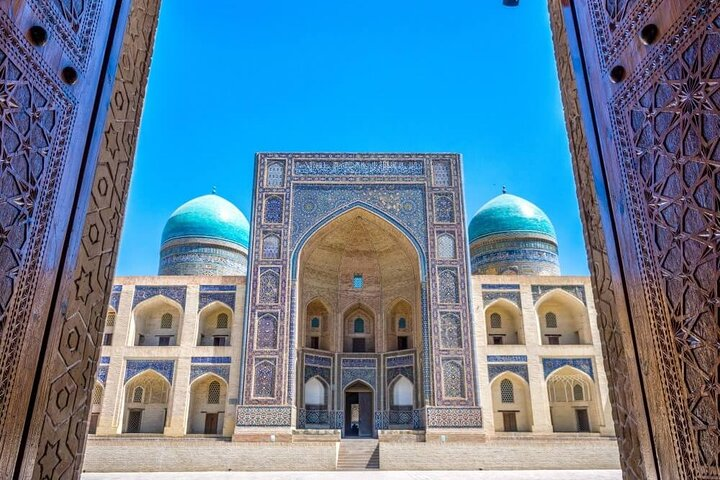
column 358, row 411
column 211, row 423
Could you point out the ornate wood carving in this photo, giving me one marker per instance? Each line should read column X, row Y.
column 618, row 350
column 61, row 209
column 661, row 126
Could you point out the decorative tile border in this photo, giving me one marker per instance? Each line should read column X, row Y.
column 211, row 360
column 318, row 361
column 582, row 364
column 500, row 286
column 166, row 368
column 217, row 293
column 218, row 288
column 359, row 362
column 222, row 371
column 104, row 360
column 495, row 369
column 263, row 416
column 397, row 168
column 489, row 297
column 577, row 291
column 454, row 417
column 115, row 297
column 507, row 358
column 176, row 293
column 400, row 361
column 101, row 374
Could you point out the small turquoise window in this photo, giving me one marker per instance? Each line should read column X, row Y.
column 402, row 323
column 315, row 322
column 359, row 326
column 357, row 281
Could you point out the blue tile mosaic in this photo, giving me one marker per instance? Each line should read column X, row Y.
column 399, row 168
column 143, row 292
column 507, row 358
column 211, row 360
column 101, row 374
column 500, row 286
column 104, row 360
column 582, row 364
column 318, row 361
column 495, row 369
column 222, row 371
column 218, row 288
column 166, row 368
column 577, row 291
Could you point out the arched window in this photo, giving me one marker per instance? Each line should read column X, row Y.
column 402, row 393
column 495, row 320
column 138, row 395
column 359, row 325
column 315, row 322
column 271, row 246
column 550, row 320
column 507, row 392
column 110, row 319
column 402, row 324
column 166, row 321
column 314, row 393
column 275, row 175
column 214, row 392
column 222, row 320
column 446, row 246
column 578, row 393
column 97, row 394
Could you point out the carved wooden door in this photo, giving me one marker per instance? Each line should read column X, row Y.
column 649, row 74
column 64, row 171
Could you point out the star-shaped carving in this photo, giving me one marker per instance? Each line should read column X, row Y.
column 83, row 286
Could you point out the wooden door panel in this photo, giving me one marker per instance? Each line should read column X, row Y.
column 658, row 126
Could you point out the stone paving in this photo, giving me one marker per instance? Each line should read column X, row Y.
column 375, row 475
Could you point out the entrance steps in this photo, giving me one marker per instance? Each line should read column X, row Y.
column 360, row 454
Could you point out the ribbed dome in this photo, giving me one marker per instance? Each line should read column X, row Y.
column 208, row 216
column 508, row 213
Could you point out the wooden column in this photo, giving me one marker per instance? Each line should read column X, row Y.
column 70, row 104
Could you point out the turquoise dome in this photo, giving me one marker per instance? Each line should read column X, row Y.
column 507, row 213
column 208, row 216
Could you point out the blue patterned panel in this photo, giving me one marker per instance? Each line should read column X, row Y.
column 500, row 286
column 368, row 375
column 211, row 360
column 507, row 358
column 454, row 417
column 400, row 361
column 143, row 292
column 217, row 293
column 314, row 371
column 104, row 360
column 318, row 361
column 577, row 291
column 495, row 369
column 217, row 288
column 222, row 371
column 405, row 204
column 397, row 168
column 407, row 372
column 166, row 368
column 358, row 362
column 582, row 364
column 444, row 208
column 115, row 300
column 263, row 416
column 101, row 374
column 382, row 420
column 489, row 297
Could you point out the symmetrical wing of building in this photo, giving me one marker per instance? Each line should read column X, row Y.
column 356, row 303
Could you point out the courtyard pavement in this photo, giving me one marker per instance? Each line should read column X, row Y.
column 345, row 475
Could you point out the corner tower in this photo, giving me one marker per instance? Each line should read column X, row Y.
column 206, row 236
column 358, row 316
column 510, row 235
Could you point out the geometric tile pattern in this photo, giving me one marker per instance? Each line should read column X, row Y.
column 143, row 292
column 582, row 364
column 495, row 369
column 166, row 368
column 577, row 291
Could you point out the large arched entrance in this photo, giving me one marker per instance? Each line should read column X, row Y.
column 358, row 290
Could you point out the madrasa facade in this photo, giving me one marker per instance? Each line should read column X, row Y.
column 358, row 321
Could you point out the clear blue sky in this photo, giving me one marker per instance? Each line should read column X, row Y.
column 470, row 76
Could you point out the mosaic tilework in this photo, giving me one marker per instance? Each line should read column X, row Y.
column 222, row 371
column 453, row 417
column 264, row 378
column 392, row 373
column 444, row 208
column 104, row 360
column 489, row 297
column 317, row 360
column 368, row 375
column 577, row 291
column 263, row 416
column 266, row 332
column 101, row 375
column 500, row 286
column 359, row 363
column 315, row 371
column 450, row 330
column 582, row 364
column 507, row 358
column 269, row 291
column 523, row 261
column 448, row 291
column 143, row 292
column 495, row 369
column 215, row 360
column 115, row 297
column 166, row 368
column 362, row 168
column 217, row 293
column 208, row 259
column 400, row 361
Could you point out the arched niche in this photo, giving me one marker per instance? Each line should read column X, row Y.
column 573, row 399
column 145, row 398
column 359, row 329
column 512, row 408
column 156, row 321
column 358, row 258
column 400, row 326
column 563, row 319
column 503, row 320
column 317, row 326
column 208, row 397
column 95, row 406
column 215, row 325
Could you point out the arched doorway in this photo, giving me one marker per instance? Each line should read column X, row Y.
column 359, row 410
